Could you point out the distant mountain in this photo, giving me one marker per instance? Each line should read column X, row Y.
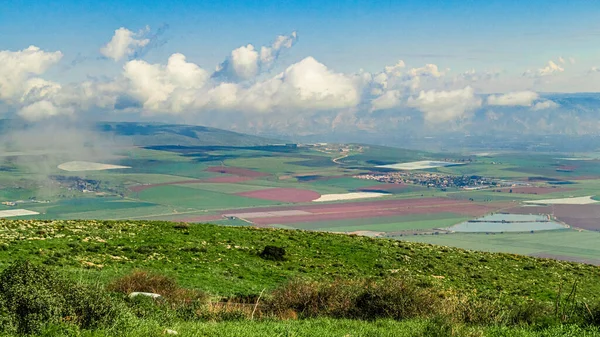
column 155, row 134
column 132, row 133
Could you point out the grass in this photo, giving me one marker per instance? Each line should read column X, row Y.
column 228, row 261
column 225, row 261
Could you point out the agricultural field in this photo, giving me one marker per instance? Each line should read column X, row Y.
column 305, row 186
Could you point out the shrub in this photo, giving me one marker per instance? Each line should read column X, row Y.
column 313, row 299
column 143, row 281
column 391, row 298
column 273, row 253
column 394, row 298
column 34, row 296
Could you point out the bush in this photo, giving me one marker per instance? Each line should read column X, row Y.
column 34, row 296
column 144, row 281
column 313, row 299
column 273, row 253
column 185, row 301
column 391, row 298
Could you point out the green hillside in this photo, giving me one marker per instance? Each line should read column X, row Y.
column 519, row 295
column 154, row 134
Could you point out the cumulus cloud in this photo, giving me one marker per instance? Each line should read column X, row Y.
column 307, row 84
column 269, row 54
column 444, row 106
column 594, row 70
column 520, row 98
column 547, row 104
column 305, row 93
column 181, row 86
column 388, row 100
column 171, row 88
column 246, row 62
column 551, row 68
column 43, row 109
column 124, row 43
column 18, row 70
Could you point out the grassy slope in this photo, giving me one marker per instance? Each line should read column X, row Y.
column 224, row 261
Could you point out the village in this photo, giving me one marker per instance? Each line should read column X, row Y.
column 435, row 180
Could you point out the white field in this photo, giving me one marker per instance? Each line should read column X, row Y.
column 420, row 165
column 79, row 166
column 349, row 196
column 578, row 158
column 564, row 201
column 16, row 212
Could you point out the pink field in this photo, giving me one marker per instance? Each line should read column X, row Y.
column 237, row 171
column 371, row 209
column 282, row 194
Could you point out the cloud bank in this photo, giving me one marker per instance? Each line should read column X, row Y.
column 244, row 92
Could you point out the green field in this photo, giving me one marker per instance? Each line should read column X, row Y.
column 566, row 243
column 224, row 187
column 184, row 198
column 347, row 183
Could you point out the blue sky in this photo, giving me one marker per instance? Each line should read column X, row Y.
column 349, row 59
column 346, row 35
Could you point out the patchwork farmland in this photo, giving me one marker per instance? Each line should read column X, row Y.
column 311, row 188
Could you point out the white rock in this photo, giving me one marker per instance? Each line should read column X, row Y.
column 153, row 295
column 170, row 332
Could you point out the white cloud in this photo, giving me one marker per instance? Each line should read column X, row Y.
column 520, row 98
column 182, row 87
column 124, row 43
column 427, row 70
column 544, row 105
column 171, row 88
column 395, row 70
column 561, row 60
column 572, row 60
column 594, row 70
column 246, row 62
column 43, row 109
column 17, row 68
column 269, row 54
column 443, row 106
column 551, row 68
column 388, row 100
column 307, row 84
